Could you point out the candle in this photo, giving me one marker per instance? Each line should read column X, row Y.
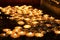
column 30, row 34
column 57, row 21
column 20, row 22
column 27, row 26
column 21, row 33
column 57, row 31
column 16, row 30
column 27, row 19
column 40, row 12
column 18, row 27
column 39, row 34
column 6, row 30
column 9, row 32
column 51, row 18
column 3, row 35
column 46, row 17
column 48, row 25
column 14, row 35
column 0, row 7
column 34, row 22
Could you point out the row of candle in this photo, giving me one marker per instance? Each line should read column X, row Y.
column 17, row 32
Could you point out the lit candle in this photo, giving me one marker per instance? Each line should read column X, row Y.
column 39, row 34
column 3, row 9
column 27, row 26
column 3, row 35
column 16, row 6
column 9, row 32
column 40, row 12
column 51, row 18
column 16, row 30
column 14, row 35
column 0, row 7
column 7, row 12
column 16, row 17
column 6, row 30
column 39, row 18
column 19, row 11
column 30, row 34
column 21, row 33
column 12, row 18
column 48, row 25
column 25, row 12
column 57, row 31
column 34, row 22
column 20, row 22
column 33, row 18
column 27, row 19
column 46, row 16
column 18, row 27
column 58, row 21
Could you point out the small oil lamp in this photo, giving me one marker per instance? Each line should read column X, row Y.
column 30, row 34
column 39, row 34
column 27, row 26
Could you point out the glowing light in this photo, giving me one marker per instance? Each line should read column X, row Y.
column 20, row 22
column 21, row 33
column 6, row 30
column 18, row 27
column 51, row 18
column 14, row 35
column 34, row 22
column 9, row 32
column 3, row 35
column 39, row 34
column 58, row 21
column 46, row 16
column 27, row 26
column 28, row 19
column 57, row 32
column 30, row 34
column 16, row 30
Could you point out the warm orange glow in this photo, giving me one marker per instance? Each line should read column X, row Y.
column 9, row 32
column 34, row 22
column 30, row 34
column 20, row 22
column 16, row 30
column 27, row 26
column 58, row 21
column 6, row 30
column 14, row 35
column 28, row 19
column 39, row 34
column 48, row 25
column 3, row 34
column 18, row 27
column 57, row 32
column 51, row 18
column 21, row 33
column 46, row 16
